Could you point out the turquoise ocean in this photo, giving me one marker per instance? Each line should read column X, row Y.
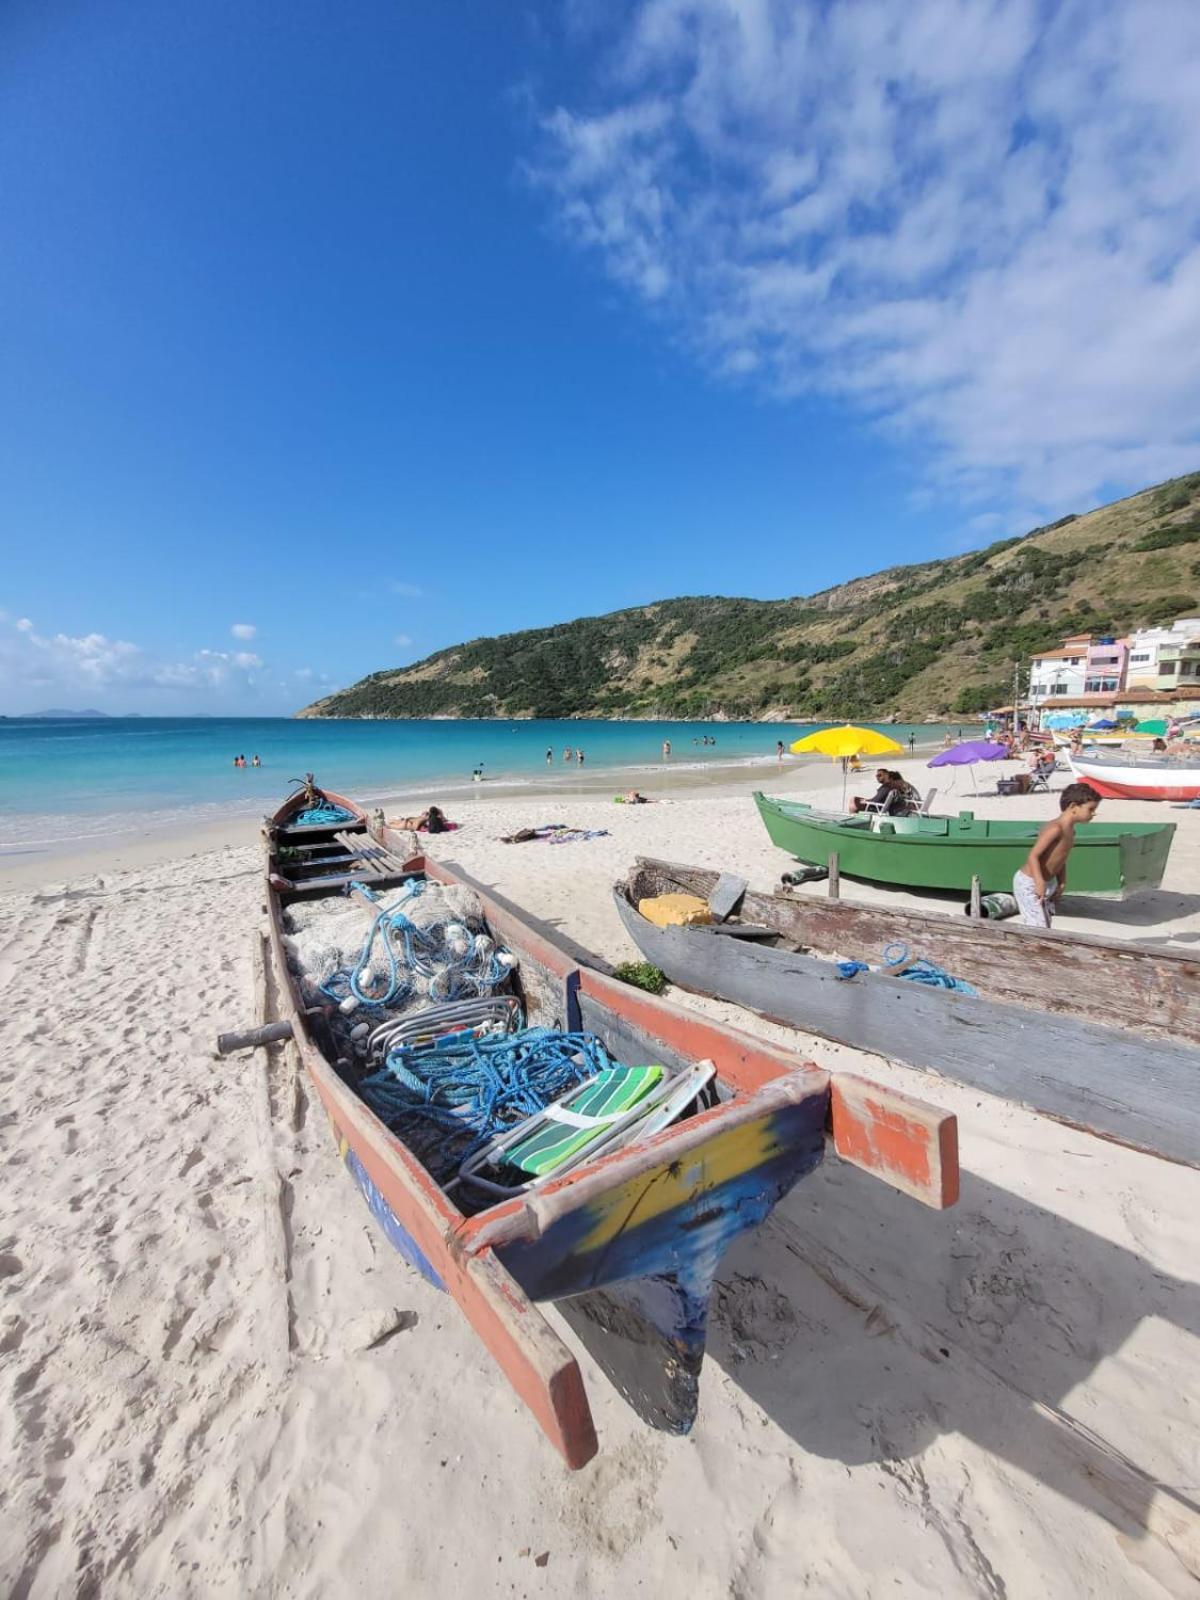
column 79, row 780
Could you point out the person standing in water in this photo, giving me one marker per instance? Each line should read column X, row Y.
column 549, row 757
column 666, row 749
column 579, row 756
column 912, row 744
column 779, row 751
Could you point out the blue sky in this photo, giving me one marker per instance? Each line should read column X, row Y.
column 333, row 335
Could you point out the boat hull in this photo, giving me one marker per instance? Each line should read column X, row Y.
column 627, row 1243
column 1136, row 780
column 1125, row 1086
column 948, row 852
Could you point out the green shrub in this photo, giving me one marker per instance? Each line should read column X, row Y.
column 981, row 697
column 1166, row 607
column 642, row 976
column 1164, row 538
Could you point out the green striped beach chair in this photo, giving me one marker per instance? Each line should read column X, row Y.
column 619, row 1106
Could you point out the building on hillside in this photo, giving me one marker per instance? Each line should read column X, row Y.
column 1107, row 660
column 1083, row 666
column 1148, row 645
column 1054, row 673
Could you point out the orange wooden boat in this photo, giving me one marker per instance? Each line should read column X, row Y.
column 626, row 1244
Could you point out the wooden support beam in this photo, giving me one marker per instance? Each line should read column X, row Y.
column 909, row 1143
column 835, row 876
column 252, row 1038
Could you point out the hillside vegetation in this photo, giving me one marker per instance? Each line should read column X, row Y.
column 940, row 636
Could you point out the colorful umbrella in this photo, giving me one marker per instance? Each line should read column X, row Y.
column 843, row 743
column 847, row 741
column 967, row 754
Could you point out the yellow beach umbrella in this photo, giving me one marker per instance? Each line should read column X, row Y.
column 845, row 742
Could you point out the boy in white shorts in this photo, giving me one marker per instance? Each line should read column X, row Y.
column 1040, row 883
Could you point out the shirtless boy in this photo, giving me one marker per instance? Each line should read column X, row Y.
column 1040, row 883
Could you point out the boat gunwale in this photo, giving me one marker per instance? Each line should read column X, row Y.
column 1084, row 837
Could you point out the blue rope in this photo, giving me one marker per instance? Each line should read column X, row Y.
column 919, row 971
column 448, row 1100
column 321, row 816
column 928, row 973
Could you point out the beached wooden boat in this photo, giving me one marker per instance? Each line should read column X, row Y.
column 1099, row 1033
column 1124, row 775
column 1109, row 858
column 626, row 1244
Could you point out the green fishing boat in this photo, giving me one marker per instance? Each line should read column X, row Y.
column 1111, row 858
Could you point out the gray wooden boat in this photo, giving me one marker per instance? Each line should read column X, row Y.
column 1097, row 1033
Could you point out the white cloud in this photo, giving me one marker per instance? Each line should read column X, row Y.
column 403, row 640
column 243, row 630
column 93, row 663
column 411, row 591
column 978, row 224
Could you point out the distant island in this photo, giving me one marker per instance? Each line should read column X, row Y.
column 57, row 714
column 939, row 637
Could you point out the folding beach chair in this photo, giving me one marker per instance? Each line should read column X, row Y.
column 618, row 1107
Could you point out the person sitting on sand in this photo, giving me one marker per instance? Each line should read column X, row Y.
column 1160, row 745
column 633, row 797
column 881, row 796
column 1039, row 884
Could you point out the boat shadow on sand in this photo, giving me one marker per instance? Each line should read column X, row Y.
column 981, row 1325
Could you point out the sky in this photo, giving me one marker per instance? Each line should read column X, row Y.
column 333, row 335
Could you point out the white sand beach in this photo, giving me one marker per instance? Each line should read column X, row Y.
column 218, row 1379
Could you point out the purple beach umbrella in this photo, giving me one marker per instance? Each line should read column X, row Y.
column 967, row 754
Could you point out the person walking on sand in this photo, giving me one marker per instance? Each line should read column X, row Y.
column 1039, row 884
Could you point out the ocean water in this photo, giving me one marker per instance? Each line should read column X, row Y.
column 87, row 778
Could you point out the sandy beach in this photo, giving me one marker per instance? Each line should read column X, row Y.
column 997, row 1400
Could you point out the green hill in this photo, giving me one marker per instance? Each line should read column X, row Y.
column 940, row 636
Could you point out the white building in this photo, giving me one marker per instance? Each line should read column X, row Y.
column 1055, row 673
column 1146, row 645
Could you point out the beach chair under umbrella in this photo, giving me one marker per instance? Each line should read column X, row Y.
column 967, row 754
column 844, row 743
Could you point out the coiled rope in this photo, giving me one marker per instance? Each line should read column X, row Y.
column 918, row 971
column 447, row 1101
column 320, row 816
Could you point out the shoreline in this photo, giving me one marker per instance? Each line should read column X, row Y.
column 151, row 836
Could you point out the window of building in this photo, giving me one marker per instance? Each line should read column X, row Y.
column 1059, row 688
column 1166, row 669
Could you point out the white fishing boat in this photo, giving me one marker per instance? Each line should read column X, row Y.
column 1121, row 775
